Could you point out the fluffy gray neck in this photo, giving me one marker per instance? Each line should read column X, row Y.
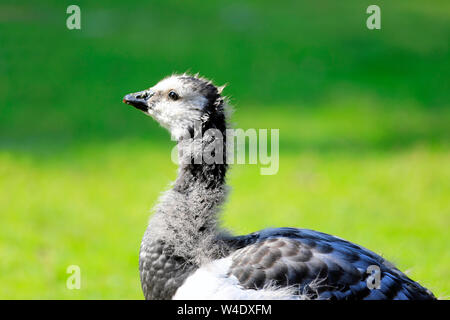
column 186, row 217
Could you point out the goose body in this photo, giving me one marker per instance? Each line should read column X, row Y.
column 289, row 263
column 186, row 255
column 282, row 263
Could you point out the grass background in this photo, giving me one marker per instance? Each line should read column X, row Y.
column 363, row 117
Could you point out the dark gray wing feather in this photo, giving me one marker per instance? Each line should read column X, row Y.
column 318, row 265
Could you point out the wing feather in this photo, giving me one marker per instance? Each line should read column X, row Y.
column 317, row 264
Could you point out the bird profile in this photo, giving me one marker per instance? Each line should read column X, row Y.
column 185, row 254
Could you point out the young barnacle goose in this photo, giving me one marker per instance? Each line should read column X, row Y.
column 185, row 255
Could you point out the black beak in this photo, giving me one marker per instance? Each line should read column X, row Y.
column 138, row 100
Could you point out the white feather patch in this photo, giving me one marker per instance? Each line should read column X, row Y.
column 211, row 282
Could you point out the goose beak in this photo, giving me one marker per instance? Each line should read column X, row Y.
column 138, row 100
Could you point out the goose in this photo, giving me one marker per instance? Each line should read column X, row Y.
column 185, row 254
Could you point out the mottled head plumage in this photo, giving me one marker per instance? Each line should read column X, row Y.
column 178, row 101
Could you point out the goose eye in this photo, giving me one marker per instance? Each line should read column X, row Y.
column 173, row 95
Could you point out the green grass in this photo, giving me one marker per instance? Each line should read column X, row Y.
column 363, row 119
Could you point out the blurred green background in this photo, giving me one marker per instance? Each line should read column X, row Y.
column 363, row 117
